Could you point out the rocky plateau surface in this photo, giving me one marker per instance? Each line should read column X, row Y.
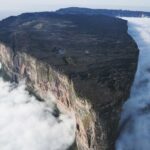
column 87, row 62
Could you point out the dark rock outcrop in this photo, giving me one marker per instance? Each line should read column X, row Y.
column 87, row 62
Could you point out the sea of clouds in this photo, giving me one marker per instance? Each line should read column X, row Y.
column 134, row 129
column 28, row 124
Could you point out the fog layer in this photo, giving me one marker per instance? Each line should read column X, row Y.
column 134, row 131
column 27, row 124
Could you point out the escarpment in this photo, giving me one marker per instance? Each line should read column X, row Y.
column 87, row 62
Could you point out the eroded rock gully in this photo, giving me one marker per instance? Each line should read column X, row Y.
column 90, row 73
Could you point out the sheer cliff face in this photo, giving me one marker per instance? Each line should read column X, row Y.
column 43, row 81
column 86, row 62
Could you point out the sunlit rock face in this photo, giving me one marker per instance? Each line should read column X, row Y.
column 135, row 119
column 45, row 82
column 86, row 62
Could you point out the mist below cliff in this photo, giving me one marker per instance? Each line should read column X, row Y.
column 134, row 132
column 28, row 124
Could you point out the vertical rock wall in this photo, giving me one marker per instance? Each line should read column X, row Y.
column 43, row 81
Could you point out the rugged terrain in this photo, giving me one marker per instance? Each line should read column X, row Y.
column 87, row 62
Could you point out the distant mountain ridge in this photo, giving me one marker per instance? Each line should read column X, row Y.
column 109, row 12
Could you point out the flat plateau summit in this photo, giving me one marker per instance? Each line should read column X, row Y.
column 94, row 52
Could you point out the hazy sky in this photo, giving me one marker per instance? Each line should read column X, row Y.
column 19, row 6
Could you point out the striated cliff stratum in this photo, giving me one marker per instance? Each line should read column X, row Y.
column 87, row 62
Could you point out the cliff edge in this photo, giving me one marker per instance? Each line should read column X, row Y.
column 87, row 62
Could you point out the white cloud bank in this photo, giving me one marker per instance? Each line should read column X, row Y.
column 135, row 119
column 27, row 124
